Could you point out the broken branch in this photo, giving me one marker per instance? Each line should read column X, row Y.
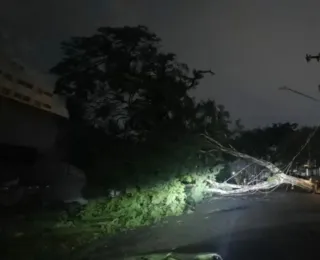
column 279, row 177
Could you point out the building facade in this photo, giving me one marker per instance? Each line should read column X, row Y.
column 30, row 113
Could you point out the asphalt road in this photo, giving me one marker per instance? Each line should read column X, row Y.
column 274, row 226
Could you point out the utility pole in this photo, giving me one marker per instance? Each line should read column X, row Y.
column 313, row 57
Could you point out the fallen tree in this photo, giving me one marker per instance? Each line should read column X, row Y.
column 279, row 177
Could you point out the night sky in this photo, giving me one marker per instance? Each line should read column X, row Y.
column 253, row 46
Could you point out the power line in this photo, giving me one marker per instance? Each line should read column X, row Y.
column 299, row 93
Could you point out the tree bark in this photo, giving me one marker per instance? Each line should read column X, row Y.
column 278, row 178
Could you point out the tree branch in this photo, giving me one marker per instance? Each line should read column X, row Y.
column 279, row 176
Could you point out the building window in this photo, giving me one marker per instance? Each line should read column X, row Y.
column 6, row 91
column 26, row 99
column 48, row 94
column 37, row 103
column 8, row 76
column 47, row 106
column 25, row 84
column 17, row 95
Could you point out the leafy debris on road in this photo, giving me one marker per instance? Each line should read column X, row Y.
column 177, row 256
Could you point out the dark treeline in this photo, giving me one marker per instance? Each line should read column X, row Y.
column 280, row 143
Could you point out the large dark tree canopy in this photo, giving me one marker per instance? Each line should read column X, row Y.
column 136, row 96
column 121, row 81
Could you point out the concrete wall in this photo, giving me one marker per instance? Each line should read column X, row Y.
column 29, row 110
column 27, row 126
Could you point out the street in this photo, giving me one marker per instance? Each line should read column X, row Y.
column 281, row 226
column 276, row 225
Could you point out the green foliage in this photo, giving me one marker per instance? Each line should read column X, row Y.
column 135, row 128
column 198, row 180
column 272, row 178
column 147, row 206
column 120, row 81
column 132, row 118
column 145, row 164
column 198, row 192
column 136, row 207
